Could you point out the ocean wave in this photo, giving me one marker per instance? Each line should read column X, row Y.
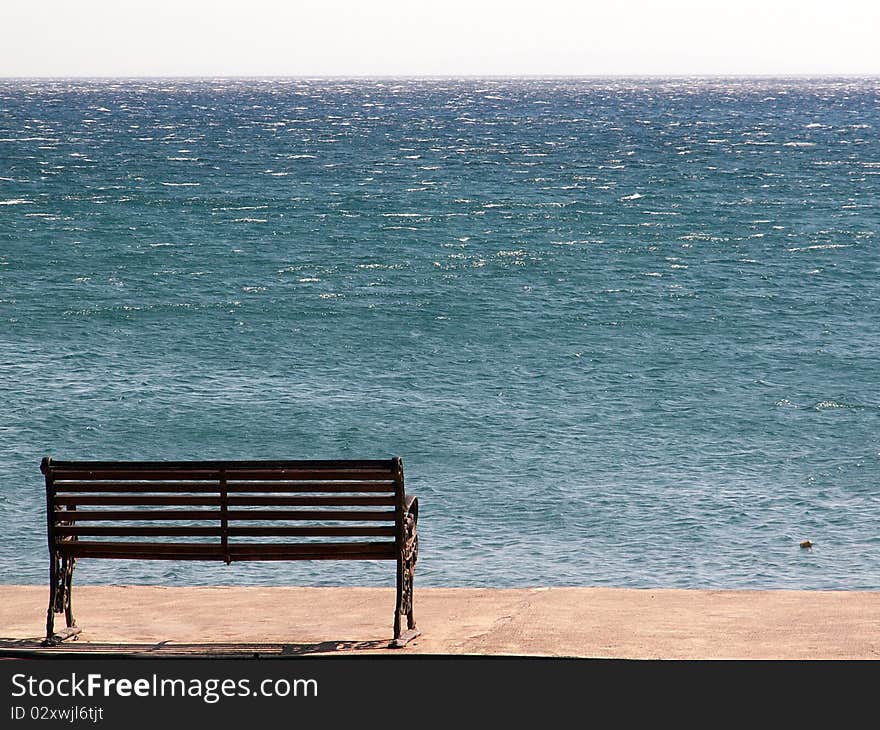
column 824, row 405
column 819, row 247
column 17, row 201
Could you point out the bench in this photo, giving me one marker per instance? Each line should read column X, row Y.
column 228, row 511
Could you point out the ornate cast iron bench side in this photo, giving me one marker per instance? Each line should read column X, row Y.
column 228, row 511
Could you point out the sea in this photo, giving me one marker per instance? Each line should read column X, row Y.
column 622, row 331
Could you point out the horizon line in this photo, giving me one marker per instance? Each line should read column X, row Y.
column 768, row 75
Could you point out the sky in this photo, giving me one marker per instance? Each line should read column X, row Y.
column 439, row 38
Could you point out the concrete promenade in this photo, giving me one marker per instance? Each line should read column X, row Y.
column 568, row 622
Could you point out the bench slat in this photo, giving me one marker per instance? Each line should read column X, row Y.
column 231, row 515
column 88, row 530
column 312, row 531
column 215, row 551
column 256, row 551
column 142, row 550
column 208, row 464
column 214, row 487
column 204, row 475
column 260, row 501
column 379, row 485
column 280, row 531
column 167, row 501
column 289, row 474
column 63, row 487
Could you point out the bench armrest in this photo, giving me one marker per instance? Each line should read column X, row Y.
column 410, row 547
column 411, row 506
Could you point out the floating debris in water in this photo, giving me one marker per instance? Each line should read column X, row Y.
column 806, row 544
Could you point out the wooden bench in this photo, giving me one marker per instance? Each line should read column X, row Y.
column 228, row 511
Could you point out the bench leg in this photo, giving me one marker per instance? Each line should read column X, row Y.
column 406, row 568
column 60, row 584
column 50, row 614
column 68, row 565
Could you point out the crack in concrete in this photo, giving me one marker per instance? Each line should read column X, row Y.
column 475, row 641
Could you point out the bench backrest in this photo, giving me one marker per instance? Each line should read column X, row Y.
column 226, row 510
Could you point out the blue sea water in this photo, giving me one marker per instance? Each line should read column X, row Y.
column 622, row 332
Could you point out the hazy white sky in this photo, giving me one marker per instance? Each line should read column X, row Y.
column 444, row 37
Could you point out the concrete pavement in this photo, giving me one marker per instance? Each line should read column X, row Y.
column 568, row 622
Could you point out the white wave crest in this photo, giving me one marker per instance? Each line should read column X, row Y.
column 819, row 247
